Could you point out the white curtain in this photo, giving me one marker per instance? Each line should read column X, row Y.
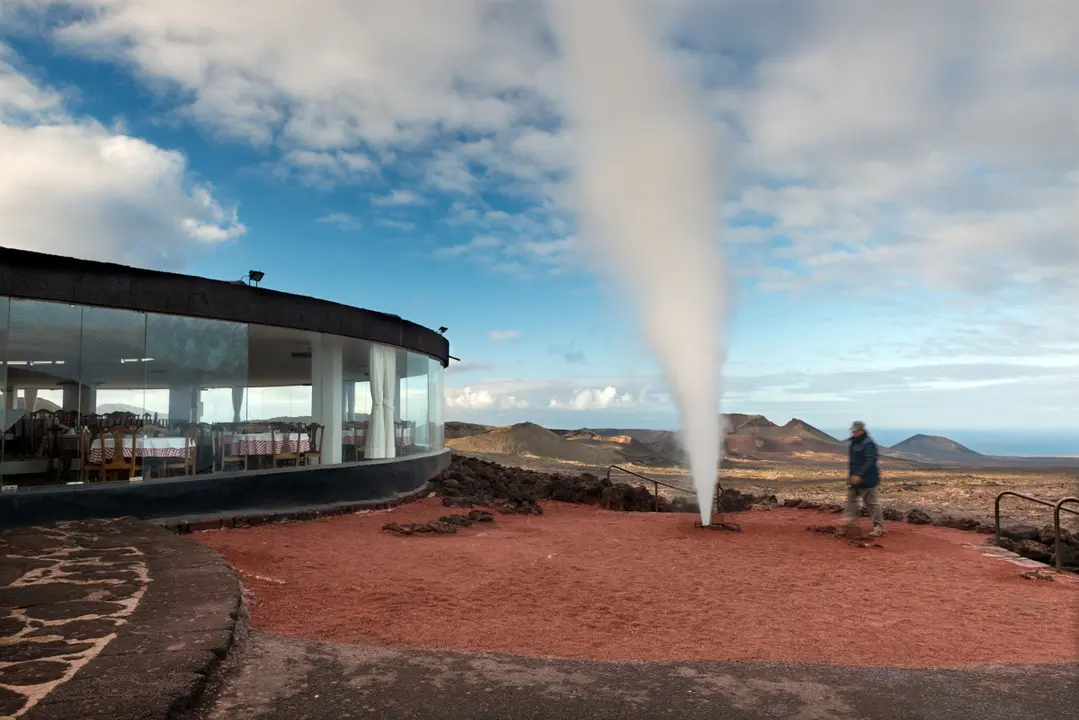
column 237, row 403
column 380, row 431
column 350, row 401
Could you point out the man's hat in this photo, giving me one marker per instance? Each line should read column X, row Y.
column 857, row 425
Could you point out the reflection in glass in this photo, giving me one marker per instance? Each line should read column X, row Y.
column 435, row 398
column 113, row 360
column 280, row 375
column 413, row 430
column 42, row 364
column 6, row 398
column 191, row 363
column 188, row 356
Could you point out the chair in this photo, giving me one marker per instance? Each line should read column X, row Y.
column 118, row 461
column 186, row 464
column 314, row 441
column 285, row 455
column 223, row 439
column 85, row 465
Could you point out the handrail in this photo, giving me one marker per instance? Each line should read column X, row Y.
column 656, row 483
column 1057, row 507
column 1056, row 524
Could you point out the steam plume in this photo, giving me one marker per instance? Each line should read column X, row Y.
column 647, row 187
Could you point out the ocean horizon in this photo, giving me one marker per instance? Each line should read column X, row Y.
column 1013, row 443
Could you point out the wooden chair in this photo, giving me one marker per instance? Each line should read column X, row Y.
column 86, row 440
column 289, row 451
column 118, row 461
column 314, row 442
column 225, row 447
column 186, row 464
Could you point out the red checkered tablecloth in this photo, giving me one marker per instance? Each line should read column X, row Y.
column 168, row 447
column 264, row 444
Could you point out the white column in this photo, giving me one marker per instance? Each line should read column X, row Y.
column 184, row 403
column 31, row 398
column 71, row 396
column 327, row 397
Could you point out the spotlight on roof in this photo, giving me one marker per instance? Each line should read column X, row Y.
column 442, row 330
column 255, row 276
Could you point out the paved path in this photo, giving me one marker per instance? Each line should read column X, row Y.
column 111, row 619
column 272, row 678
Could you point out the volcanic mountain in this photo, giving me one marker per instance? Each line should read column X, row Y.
column 580, row 446
column 747, row 437
column 936, row 449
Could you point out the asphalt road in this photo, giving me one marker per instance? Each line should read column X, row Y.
column 273, row 678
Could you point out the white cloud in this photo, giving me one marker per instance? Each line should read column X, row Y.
column 503, row 335
column 398, row 197
column 593, row 399
column 469, row 399
column 325, row 169
column 344, row 221
column 955, row 165
column 71, row 186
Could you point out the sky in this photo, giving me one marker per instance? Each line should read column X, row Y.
column 899, row 209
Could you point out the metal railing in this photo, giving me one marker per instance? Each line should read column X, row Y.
column 1057, row 507
column 1056, row 523
column 655, row 484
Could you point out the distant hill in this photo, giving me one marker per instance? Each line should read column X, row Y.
column 529, row 439
column 936, row 449
column 462, row 429
column 747, row 437
column 121, row 407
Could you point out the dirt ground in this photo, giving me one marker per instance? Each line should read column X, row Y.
column 958, row 491
column 580, row 582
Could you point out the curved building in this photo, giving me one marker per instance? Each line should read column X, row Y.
column 136, row 392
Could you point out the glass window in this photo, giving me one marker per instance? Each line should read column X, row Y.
column 113, row 361
column 435, row 398
column 202, row 395
column 356, row 398
column 192, row 365
column 412, row 427
column 44, row 393
column 279, row 376
column 194, row 368
column 4, row 394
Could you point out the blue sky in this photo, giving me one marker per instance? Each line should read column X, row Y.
column 900, row 228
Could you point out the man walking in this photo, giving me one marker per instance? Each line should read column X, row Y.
column 864, row 481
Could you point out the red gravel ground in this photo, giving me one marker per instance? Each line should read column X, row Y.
column 579, row 582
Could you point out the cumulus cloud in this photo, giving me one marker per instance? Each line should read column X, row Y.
column 398, row 197
column 503, row 335
column 344, row 221
column 480, row 399
column 1018, row 392
column 593, row 399
column 71, row 186
column 859, row 161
